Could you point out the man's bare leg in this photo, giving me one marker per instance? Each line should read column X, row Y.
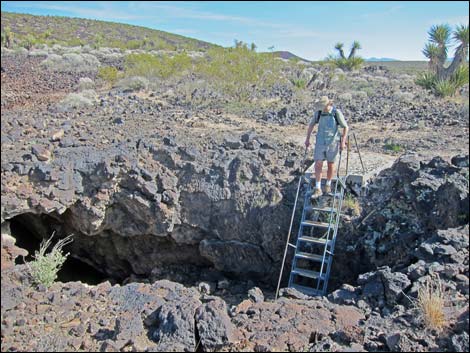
column 329, row 176
column 318, row 171
column 331, row 170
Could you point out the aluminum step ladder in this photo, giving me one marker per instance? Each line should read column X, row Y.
column 316, row 237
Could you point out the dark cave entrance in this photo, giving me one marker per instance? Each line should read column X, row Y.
column 28, row 232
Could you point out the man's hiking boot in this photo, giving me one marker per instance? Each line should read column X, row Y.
column 327, row 189
column 317, row 193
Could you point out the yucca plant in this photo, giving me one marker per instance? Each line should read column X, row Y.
column 426, row 80
column 445, row 81
column 444, row 88
column 349, row 63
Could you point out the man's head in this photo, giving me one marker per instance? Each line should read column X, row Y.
column 325, row 104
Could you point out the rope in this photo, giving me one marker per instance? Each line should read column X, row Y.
column 291, row 223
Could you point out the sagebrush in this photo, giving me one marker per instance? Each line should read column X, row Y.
column 45, row 266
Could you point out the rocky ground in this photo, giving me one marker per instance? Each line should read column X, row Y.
column 159, row 190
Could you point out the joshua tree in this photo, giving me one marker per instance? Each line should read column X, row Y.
column 339, row 47
column 461, row 53
column 356, row 46
column 437, row 48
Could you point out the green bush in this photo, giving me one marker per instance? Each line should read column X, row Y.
column 108, row 74
column 426, row 80
column 148, row 65
column 460, row 76
column 44, row 267
column 239, row 71
column 299, row 82
column 28, row 41
column 444, row 88
column 347, row 64
column 393, row 147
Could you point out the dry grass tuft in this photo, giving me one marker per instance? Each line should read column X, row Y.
column 430, row 303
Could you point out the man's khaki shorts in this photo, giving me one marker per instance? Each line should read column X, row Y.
column 328, row 152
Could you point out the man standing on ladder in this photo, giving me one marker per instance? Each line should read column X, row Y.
column 328, row 140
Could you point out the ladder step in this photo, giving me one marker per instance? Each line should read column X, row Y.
column 315, row 224
column 308, row 256
column 307, row 273
column 314, row 240
column 307, row 290
column 321, row 209
column 331, row 194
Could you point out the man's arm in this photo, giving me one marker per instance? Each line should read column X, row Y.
column 344, row 138
column 309, row 132
column 342, row 122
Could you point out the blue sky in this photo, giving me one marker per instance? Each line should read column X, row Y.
column 396, row 29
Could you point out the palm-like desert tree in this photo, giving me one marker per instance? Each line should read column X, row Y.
column 461, row 53
column 339, row 47
column 356, row 46
column 440, row 37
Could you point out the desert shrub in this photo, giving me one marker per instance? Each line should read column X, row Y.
column 239, row 71
column 108, row 74
column 394, row 147
column 406, row 97
column 147, row 65
column 135, row 83
column 44, row 267
column 352, row 205
column 85, row 83
column 38, row 53
column 83, row 99
column 28, row 41
column 71, row 62
column 426, row 80
column 359, row 94
column 345, row 97
column 346, row 64
column 444, row 88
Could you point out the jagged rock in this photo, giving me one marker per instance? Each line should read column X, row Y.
column 41, row 152
column 214, row 325
column 256, row 295
column 394, row 284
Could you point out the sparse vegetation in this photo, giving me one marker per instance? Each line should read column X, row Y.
column 52, row 30
column 45, row 266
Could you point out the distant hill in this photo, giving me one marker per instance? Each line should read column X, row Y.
column 76, row 31
column 381, row 59
column 288, row 55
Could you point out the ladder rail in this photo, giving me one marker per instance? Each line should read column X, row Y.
column 333, row 240
column 292, row 220
column 299, row 234
column 328, row 236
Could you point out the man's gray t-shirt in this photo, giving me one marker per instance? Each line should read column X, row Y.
column 328, row 127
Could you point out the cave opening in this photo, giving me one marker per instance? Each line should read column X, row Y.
column 90, row 263
column 28, row 231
